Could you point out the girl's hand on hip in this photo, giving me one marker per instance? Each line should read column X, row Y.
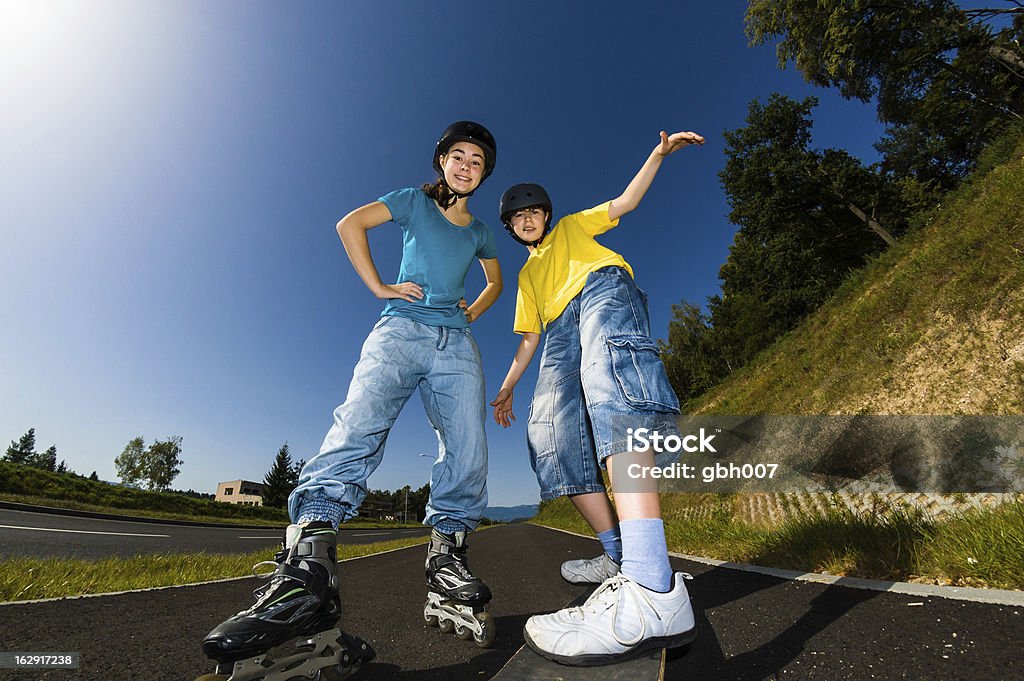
column 470, row 315
column 407, row 291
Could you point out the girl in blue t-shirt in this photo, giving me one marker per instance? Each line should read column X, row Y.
column 421, row 341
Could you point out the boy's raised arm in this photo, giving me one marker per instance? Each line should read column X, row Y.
column 630, row 198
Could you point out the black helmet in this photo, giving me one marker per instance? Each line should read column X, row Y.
column 522, row 196
column 467, row 131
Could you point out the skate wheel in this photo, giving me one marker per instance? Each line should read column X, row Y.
column 431, row 620
column 446, row 626
column 486, row 638
column 335, row 673
column 465, row 633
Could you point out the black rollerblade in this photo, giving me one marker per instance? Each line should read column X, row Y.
column 456, row 598
column 301, row 599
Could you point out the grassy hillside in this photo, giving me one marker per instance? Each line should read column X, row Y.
column 933, row 326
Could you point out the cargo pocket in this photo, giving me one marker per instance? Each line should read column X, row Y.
column 640, row 374
column 540, row 435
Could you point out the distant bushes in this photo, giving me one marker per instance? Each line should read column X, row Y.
column 24, row 480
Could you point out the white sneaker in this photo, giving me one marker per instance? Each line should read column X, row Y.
column 589, row 570
column 621, row 619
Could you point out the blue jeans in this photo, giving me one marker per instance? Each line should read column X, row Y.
column 600, row 371
column 399, row 356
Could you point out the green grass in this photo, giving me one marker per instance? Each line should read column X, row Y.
column 33, row 578
column 943, row 307
column 977, row 547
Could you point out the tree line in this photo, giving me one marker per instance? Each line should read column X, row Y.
column 157, row 465
column 283, row 477
column 946, row 83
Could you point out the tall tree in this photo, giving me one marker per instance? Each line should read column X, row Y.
column 130, row 463
column 280, row 480
column 692, row 358
column 945, row 80
column 47, row 460
column 24, row 450
column 162, row 463
column 806, row 217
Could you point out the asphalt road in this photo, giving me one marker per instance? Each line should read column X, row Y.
column 43, row 535
column 752, row 627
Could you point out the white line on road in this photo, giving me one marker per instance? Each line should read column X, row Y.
column 51, row 529
column 276, row 536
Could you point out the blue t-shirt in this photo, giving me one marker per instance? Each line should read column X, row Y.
column 436, row 254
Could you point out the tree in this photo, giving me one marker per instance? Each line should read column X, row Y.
column 47, row 460
column 280, row 480
column 806, row 217
column 24, row 450
column 691, row 357
column 94, row 477
column 162, row 464
column 130, row 462
column 945, row 82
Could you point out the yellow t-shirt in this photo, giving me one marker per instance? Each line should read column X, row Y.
column 557, row 270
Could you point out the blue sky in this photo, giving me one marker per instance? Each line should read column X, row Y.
column 173, row 173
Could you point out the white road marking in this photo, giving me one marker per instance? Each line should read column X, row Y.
column 51, row 529
column 276, row 536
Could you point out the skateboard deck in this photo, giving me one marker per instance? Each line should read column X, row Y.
column 527, row 665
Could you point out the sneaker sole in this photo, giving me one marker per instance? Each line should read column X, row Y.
column 674, row 641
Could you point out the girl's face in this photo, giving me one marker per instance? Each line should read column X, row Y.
column 528, row 223
column 463, row 166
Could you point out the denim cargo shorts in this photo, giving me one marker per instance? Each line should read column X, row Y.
column 600, row 371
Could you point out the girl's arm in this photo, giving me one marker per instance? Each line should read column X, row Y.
column 352, row 229
column 492, row 272
column 502, row 404
column 630, row 198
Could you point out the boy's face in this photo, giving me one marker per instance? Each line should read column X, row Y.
column 528, row 223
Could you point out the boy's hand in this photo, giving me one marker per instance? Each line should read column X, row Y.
column 502, row 404
column 676, row 141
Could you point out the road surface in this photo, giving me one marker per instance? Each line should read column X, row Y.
column 752, row 627
column 42, row 535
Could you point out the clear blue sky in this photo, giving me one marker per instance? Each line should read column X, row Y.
column 173, row 171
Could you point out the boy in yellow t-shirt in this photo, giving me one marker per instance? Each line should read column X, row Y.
column 600, row 375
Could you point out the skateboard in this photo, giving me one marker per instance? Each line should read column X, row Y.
column 526, row 665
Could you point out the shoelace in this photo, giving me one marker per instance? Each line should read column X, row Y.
column 462, row 568
column 611, row 587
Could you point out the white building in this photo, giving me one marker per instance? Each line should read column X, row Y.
column 240, row 492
